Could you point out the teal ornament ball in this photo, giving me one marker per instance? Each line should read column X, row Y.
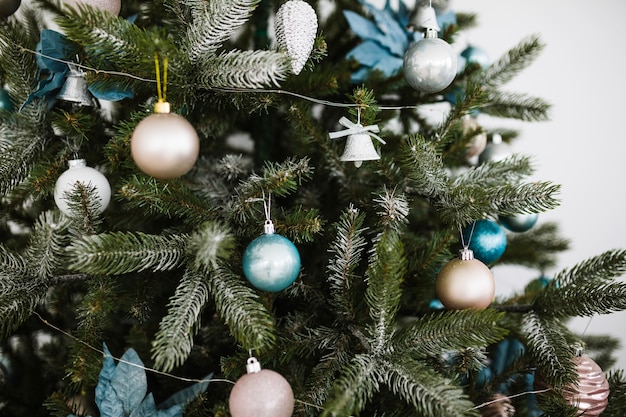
column 271, row 262
column 5, row 100
column 488, row 240
column 520, row 222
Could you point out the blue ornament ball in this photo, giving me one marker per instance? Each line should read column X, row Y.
column 475, row 55
column 488, row 240
column 520, row 222
column 271, row 262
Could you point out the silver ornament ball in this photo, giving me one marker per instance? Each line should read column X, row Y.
column 165, row 145
column 111, row 6
column 465, row 283
column 430, row 64
column 79, row 172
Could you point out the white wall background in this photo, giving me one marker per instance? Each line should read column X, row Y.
column 581, row 73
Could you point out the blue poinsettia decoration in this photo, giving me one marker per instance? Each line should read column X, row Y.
column 122, row 388
column 53, row 51
column 385, row 39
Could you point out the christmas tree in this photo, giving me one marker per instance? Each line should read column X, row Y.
column 190, row 186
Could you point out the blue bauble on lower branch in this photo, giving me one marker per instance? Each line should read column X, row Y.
column 271, row 262
column 487, row 239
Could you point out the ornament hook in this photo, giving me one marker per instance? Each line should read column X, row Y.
column 268, row 228
column 162, row 106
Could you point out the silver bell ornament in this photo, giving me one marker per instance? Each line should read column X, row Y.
column 359, row 146
column 75, row 89
column 79, row 172
column 424, row 18
column 430, row 64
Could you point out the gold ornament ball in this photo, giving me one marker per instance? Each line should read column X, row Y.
column 165, row 145
column 112, row 6
column 465, row 284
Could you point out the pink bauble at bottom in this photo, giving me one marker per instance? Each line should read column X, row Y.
column 112, row 6
column 261, row 393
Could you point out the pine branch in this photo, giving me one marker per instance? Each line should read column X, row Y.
column 510, row 170
column 472, row 98
column 345, row 250
column 512, row 63
column 384, row 277
column 423, row 167
column 22, row 144
column 516, row 106
column 213, row 24
column 606, row 266
column 249, row 321
column 551, row 347
column 174, row 340
column 112, row 42
column 617, row 396
column 431, row 394
column 244, row 69
column 301, row 225
column 120, row 253
column 19, row 66
column 208, row 244
column 46, row 245
column 356, row 385
column 393, row 209
column 469, row 202
column 84, row 203
column 168, row 199
column 433, row 334
column 583, row 299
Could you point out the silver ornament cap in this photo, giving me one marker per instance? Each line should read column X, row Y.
column 295, row 25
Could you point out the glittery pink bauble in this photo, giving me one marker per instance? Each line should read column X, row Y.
column 261, row 394
column 112, row 6
column 591, row 395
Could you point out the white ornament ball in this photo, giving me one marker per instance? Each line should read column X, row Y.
column 430, row 64
column 465, row 283
column 295, row 25
column 165, row 145
column 79, row 172
column 261, row 393
column 111, row 6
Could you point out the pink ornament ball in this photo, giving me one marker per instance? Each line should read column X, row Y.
column 111, row 6
column 261, row 394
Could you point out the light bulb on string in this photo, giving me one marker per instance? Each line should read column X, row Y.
column 164, row 144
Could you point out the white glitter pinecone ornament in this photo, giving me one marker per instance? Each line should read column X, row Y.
column 296, row 27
